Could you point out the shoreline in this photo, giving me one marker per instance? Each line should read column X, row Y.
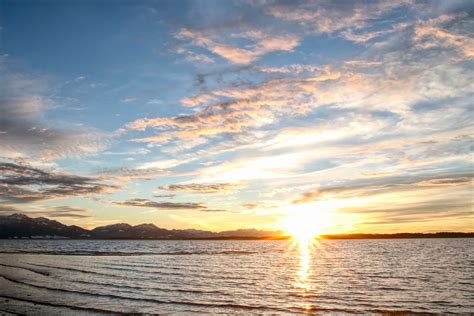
column 442, row 235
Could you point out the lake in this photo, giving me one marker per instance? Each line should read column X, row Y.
column 233, row 276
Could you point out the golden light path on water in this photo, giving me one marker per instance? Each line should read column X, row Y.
column 304, row 225
column 305, row 248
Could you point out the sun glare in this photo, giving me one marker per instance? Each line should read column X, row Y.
column 305, row 224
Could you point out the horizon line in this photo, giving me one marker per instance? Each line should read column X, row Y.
column 400, row 235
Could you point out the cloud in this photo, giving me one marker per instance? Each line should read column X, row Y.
column 419, row 215
column 328, row 16
column 382, row 186
column 293, row 69
column 262, row 45
column 363, row 63
column 15, row 174
column 47, row 211
column 197, row 99
column 362, row 38
column 67, row 211
column 370, row 104
column 152, row 139
column 24, row 131
column 128, row 100
column 191, row 56
column 24, row 184
column 9, row 209
column 234, row 110
column 253, row 206
column 161, row 205
column 262, row 167
column 124, row 174
column 431, row 34
column 218, row 119
column 167, row 205
column 446, row 181
column 165, row 196
column 206, row 188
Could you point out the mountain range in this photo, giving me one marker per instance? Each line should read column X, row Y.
column 22, row 226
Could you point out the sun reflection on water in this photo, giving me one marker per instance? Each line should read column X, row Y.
column 305, row 247
column 304, row 224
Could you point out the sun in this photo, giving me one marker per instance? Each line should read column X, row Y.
column 305, row 224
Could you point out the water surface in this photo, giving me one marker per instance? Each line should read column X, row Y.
column 182, row 277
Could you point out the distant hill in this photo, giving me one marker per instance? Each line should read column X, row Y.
column 22, row 226
column 19, row 225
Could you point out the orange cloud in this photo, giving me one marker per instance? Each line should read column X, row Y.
column 430, row 34
column 263, row 44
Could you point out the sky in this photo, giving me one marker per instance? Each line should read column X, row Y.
column 353, row 115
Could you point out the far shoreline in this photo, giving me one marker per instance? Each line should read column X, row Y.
column 440, row 235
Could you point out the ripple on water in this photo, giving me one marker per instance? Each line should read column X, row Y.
column 337, row 276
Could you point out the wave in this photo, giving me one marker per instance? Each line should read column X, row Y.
column 131, row 287
column 366, row 308
column 27, row 269
column 73, row 270
column 236, row 306
column 368, row 311
column 81, row 308
column 185, row 274
column 149, row 300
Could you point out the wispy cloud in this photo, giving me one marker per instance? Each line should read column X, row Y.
column 249, row 107
column 262, row 44
column 49, row 211
column 124, row 174
column 254, row 206
column 67, row 211
column 385, row 185
column 24, row 184
column 24, row 101
column 431, row 34
column 328, row 17
column 167, row 205
column 165, row 196
column 206, row 188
